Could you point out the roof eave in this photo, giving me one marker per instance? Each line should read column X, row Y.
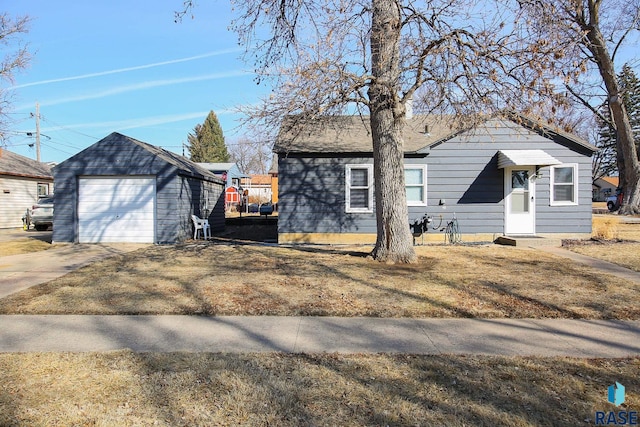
column 20, row 175
column 536, row 125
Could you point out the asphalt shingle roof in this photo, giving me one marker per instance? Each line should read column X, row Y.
column 352, row 134
column 13, row 164
column 177, row 160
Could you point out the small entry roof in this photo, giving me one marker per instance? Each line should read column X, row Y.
column 508, row 158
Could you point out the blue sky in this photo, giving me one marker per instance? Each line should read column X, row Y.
column 126, row 66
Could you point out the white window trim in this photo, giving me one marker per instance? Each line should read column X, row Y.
column 424, row 185
column 44, row 185
column 552, row 185
column 347, row 188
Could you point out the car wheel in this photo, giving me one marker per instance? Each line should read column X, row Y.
column 41, row 227
column 611, row 206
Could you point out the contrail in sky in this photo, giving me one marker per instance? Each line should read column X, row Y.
column 140, row 122
column 124, row 70
column 144, row 85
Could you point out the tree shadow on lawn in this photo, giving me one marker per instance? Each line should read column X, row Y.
column 330, row 389
column 160, row 287
column 488, row 293
column 43, row 236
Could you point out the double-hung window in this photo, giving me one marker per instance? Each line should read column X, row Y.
column 43, row 189
column 359, row 188
column 564, row 185
column 415, row 181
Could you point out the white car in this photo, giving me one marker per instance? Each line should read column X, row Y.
column 42, row 214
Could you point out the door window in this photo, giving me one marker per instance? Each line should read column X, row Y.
column 519, row 191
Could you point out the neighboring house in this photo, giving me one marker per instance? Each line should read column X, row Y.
column 22, row 181
column 230, row 172
column 604, row 187
column 124, row 190
column 232, row 175
column 258, row 188
column 508, row 175
column 273, row 173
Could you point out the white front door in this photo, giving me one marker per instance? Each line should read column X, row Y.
column 519, row 198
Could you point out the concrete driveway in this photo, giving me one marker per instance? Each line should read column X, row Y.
column 18, row 272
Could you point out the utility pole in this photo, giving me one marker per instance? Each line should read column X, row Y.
column 37, row 131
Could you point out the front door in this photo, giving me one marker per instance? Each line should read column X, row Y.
column 519, row 200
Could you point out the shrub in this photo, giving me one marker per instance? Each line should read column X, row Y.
column 605, row 228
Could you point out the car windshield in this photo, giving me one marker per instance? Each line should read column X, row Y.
column 46, row 201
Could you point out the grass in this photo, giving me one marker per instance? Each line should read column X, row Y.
column 234, row 279
column 181, row 389
column 187, row 389
column 612, row 241
column 625, row 254
column 23, row 246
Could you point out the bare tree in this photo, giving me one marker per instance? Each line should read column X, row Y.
column 466, row 57
column 327, row 57
column 251, row 155
column 16, row 58
column 590, row 33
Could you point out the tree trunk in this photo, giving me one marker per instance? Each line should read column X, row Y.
column 625, row 142
column 394, row 242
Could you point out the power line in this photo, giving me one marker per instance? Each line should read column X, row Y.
column 67, row 128
column 57, row 148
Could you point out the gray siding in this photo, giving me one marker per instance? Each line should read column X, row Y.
column 174, row 199
column 311, row 196
column 190, row 200
column 462, row 171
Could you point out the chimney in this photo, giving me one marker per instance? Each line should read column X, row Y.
column 408, row 106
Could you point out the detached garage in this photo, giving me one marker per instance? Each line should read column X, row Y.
column 124, row 190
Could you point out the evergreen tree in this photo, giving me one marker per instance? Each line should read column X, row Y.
column 206, row 143
column 606, row 162
column 630, row 88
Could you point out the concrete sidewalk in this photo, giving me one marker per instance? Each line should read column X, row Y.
column 525, row 337
column 18, row 272
column 535, row 337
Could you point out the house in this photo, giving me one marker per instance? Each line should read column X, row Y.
column 505, row 175
column 22, row 181
column 124, row 190
column 232, row 175
column 604, row 187
column 273, row 173
column 258, row 188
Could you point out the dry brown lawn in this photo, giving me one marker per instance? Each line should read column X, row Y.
column 23, row 246
column 218, row 278
column 626, row 254
column 612, row 241
column 186, row 389
column 182, row 389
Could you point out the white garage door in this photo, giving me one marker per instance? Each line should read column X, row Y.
column 116, row 209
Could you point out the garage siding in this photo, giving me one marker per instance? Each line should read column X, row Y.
column 118, row 155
